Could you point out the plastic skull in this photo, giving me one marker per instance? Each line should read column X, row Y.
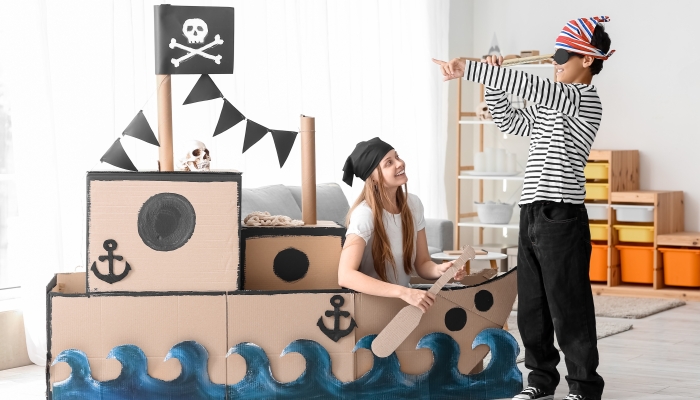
column 196, row 159
column 482, row 112
column 195, row 30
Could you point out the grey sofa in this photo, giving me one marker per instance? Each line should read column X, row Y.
column 331, row 205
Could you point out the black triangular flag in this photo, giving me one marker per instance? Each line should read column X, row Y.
column 140, row 129
column 284, row 140
column 253, row 133
column 204, row 89
column 229, row 117
column 118, row 157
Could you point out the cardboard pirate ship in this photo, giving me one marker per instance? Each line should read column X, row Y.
column 179, row 301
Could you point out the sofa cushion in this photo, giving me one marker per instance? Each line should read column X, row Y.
column 331, row 203
column 433, row 250
column 275, row 199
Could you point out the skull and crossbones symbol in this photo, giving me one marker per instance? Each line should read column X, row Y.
column 195, row 30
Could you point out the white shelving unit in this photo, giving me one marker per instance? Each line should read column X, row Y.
column 475, row 122
column 470, row 219
column 482, row 225
column 518, row 177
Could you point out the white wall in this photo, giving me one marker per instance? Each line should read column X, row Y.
column 461, row 40
column 649, row 88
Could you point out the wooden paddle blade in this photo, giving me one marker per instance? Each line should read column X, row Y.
column 397, row 331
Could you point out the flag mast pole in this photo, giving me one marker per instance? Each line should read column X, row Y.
column 165, row 123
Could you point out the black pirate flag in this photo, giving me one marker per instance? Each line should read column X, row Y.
column 193, row 40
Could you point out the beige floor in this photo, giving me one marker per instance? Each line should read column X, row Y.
column 659, row 359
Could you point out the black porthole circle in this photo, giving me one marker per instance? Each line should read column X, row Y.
column 166, row 221
column 455, row 319
column 290, row 264
column 483, row 300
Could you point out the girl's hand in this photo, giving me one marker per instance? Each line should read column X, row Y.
column 461, row 273
column 418, row 298
column 496, row 61
column 451, row 69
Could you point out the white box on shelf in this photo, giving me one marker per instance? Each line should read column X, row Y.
column 627, row 213
column 597, row 211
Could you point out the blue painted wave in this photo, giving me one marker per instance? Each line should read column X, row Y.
column 134, row 382
column 501, row 378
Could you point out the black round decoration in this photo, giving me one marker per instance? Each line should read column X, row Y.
column 166, row 221
column 483, row 300
column 290, row 264
column 455, row 319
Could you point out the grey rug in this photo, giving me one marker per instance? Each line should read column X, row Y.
column 628, row 307
column 603, row 329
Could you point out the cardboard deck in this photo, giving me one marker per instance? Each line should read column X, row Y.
column 172, row 231
column 154, row 322
column 96, row 324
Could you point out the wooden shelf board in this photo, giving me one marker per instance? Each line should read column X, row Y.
column 637, row 196
column 628, row 290
column 481, row 225
column 494, row 177
column 690, row 239
column 475, row 122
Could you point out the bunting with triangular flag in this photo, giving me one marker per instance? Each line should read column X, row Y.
column 140, row 129
column 253, row 133
column 118, row 157
column 284, row 140
column 229, row 117
column 205, row 89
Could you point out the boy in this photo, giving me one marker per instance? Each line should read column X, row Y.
column 554, row 248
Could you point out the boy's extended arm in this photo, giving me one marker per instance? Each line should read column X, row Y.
column 553, row 95
column 508, row 119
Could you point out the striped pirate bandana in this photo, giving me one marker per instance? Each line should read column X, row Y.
column 576, row 37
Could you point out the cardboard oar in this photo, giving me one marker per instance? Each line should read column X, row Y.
column 408, row 318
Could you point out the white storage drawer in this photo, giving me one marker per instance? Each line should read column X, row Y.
column 627, row 213
column 597, row 211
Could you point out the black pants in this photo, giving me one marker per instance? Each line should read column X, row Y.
column 554, row 296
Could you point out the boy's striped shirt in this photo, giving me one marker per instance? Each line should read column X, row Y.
column 562, row 123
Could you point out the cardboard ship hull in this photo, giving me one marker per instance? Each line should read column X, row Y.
column 295, row 331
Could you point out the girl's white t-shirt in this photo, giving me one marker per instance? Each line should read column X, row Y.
column 362, row 224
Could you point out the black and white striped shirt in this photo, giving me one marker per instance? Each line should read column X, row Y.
column 562, row 123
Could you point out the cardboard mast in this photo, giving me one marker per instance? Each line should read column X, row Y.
column 308, row 170
column 165, row 123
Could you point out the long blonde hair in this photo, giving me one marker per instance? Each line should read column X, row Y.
column 376, row 196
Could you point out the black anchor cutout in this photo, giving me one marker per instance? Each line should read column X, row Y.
column 110, row 245
column 336, row 333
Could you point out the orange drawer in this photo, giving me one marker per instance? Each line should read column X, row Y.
column 599, row 263
column 681, row 267
column 637, row 264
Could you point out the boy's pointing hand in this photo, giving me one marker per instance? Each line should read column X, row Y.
column 451, row 69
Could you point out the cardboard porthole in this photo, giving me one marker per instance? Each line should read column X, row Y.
column 166, row 221
column 483, row 300
column 455, row 319
column 290, row 265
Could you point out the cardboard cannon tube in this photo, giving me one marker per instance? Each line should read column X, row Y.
column 165, row 123
column 308, row 170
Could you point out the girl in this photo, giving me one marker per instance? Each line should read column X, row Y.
column 385, row 239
